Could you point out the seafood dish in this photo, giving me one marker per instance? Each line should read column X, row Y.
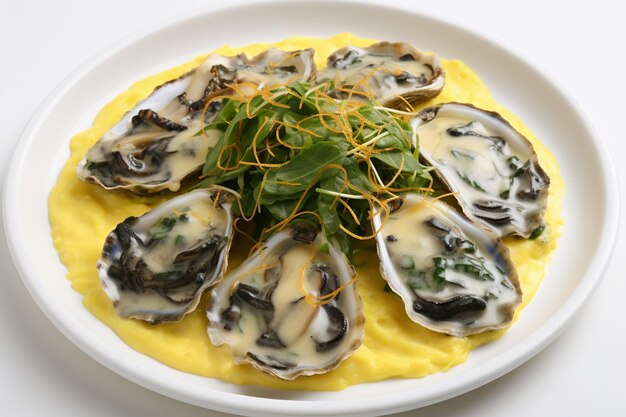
column 275, row 215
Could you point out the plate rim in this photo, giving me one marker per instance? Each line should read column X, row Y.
column 230, row 402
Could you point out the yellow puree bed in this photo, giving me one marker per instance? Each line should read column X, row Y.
column 83, row 214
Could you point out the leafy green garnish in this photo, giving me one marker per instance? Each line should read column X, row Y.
column 179, row 241
column 162, row 229
column 537, row 232
column 469, row 181
column 296, row 154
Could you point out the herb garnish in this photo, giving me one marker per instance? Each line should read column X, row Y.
column 296, row 153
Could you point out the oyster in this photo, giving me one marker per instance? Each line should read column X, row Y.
column 274, row 68
column 492, row 169
column 155, row 267
column 157, row 144
column 391, row 73
column 453, row 276
column 291, row 309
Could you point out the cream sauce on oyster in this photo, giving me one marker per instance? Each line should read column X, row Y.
column 186, row 151
column 470, row 151
column 375, row 74
column 190, row 225
column 155, row 267
column 392, row 73
column 452, row 276
column 492, row 169
column 289, row 310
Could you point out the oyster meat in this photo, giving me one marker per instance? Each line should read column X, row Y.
column 492, row 169
column 157, row 144
column 391, row 73
column 291, row 309
column 274, row 68
column 453, row 276
column 156, row 267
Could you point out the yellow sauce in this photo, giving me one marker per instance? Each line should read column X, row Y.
column 82, row 214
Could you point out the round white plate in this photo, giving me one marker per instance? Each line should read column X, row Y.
column 590, row 207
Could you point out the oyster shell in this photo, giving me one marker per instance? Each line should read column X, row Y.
column 392, row 73
column 291, row 309
column 156, row 144
column 156, row 266
column 453, row 276
column 491, row 167
column 274, row 68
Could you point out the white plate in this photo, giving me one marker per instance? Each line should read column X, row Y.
column 578, row 264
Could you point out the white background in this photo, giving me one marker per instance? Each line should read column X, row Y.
column 580, row 43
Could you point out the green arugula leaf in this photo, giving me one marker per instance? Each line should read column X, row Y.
column 303, row 169
column 399, row 160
